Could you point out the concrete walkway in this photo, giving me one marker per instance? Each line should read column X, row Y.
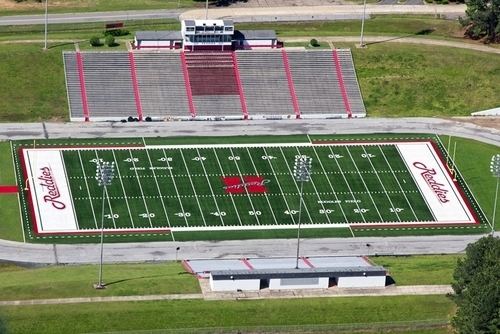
column 263, row 294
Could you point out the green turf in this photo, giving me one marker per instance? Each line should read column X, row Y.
column 233, row 314
column 419, row 269
column 17, row 283
column 72, row 6
column 10, row 222
column 192, row 194
column 7, row 176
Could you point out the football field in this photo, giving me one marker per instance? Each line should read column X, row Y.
column 224, row 187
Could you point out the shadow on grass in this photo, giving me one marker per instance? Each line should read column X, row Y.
column 422, row 32
column 134, row 279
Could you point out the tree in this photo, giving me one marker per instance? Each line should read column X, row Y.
column 477, row 288
column 482, row 20
column 110, row 40
column 95, row 41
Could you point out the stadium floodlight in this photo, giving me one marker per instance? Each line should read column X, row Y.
column 105, row 172
column 46, row 22
column 302, row 173
column 495, row 170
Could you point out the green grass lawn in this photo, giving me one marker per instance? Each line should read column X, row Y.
column 17, row 283
column 7, row 176
column 419, row 269
column 71, row 6
column 234, row 315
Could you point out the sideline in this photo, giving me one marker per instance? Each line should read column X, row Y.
column 263, row 294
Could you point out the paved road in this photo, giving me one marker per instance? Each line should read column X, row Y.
column 253, row 127
column 20, row 252
column 238, row 14
column 162, row 251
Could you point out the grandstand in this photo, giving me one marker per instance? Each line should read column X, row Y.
column 206, row 85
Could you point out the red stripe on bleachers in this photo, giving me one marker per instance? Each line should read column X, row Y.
column 247, row 263
column 291, row 85
column 240, row 86
column 9, row 189
column 137, row 96
column 192, row 110
column 83, row 89
column 340, row 79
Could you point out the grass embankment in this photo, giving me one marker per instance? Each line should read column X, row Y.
column 238, row 315
column 18, row 283
column 10, row 224
column 10, row 7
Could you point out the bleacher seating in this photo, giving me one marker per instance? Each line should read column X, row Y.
column 316, row 83
column 161, row 84
column 170, row 84
column 265, row 83
column 213, row 84
column 351, row 82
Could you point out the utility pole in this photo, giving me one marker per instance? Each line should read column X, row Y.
column 361, row 42
column 495, row 170
column 46, row 22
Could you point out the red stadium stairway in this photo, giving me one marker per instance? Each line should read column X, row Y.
column 214, row 85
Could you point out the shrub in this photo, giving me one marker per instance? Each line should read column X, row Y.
column 314, row 42
column 117, row 32
column 95, row 41
column 110, row 40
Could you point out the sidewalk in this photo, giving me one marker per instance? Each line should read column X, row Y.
column 262, row 294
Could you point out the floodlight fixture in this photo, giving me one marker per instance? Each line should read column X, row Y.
column 495, row 171
column 302, row 173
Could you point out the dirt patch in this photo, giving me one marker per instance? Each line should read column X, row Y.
column 483, row 121
column 31, row 4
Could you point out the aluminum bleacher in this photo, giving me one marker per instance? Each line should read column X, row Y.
column 210, row 85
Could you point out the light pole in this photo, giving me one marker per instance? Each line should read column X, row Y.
column 206, row 10
column 46, row 22
column 302, row 173
column 105, row 171
column 495, row 170
column 361, row 42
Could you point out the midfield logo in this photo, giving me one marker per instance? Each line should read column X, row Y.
column 428, row 175
column 49, row 184
column 250, row 184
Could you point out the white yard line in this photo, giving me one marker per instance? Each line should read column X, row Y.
column 230, row 195
column 399, row 184
column 210, row 186
column 265, row 194
column 381, row 183
column 279, row 185
column 348, row 185
column 107, row 196
column 140, row 187
column 123, row 188
column 331, row 186
column 157, row 185
column 366, row 187
column 175, row 185
column 88, row 190
column 246, row 190
column 317, row 194
column 296, row 185
column 194, row 190
column 69, row 189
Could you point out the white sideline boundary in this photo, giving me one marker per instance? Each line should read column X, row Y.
column 454, row 210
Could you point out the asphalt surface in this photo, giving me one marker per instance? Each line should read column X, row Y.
column 160, row 251
column 238, row 14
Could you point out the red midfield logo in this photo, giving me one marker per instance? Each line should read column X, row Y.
column 428, row 175
column 50, row 185
column 251, row 184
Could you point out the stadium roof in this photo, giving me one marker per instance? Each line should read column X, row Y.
column 163, row 35
column 254, row 34
column 301, row 272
